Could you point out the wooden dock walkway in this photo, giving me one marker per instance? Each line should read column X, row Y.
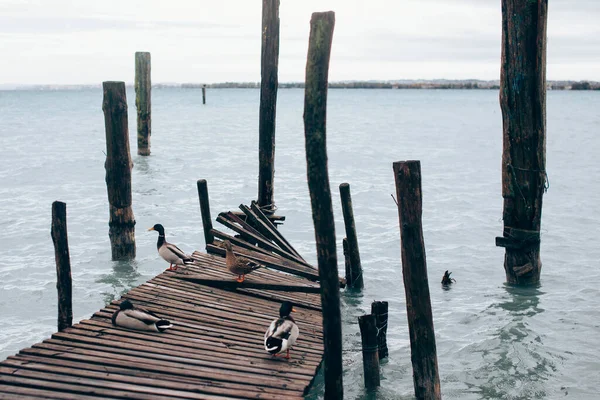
column 213, row 351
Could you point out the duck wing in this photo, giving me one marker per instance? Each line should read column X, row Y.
column 245, row 265
column 141, row 315
column 282, row 329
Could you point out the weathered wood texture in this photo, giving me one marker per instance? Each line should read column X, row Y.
column 380, row 310
column 268, row 102
column 315, row 107
column 213, row 351
column 118, row 171
column 370, row 353
column 356, row 273
column 63, row 265
column 143, row 95
column 523, row 103
column 249, row 284
column 205, row 211
column 414, row 271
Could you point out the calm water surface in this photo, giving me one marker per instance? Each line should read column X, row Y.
column 494, row 341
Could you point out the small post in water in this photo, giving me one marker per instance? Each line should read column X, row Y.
column 347, row 266
column 269, row 63
column 203, row 94
column 368, row 335
column 118, row 171
column 426, row 379
column 205, row 211
column 380, row 310
column 356, row 280
column 315, row 109
column 143, row 94
column 63, row 265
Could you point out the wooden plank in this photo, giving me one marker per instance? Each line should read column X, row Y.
column 272, row 218
column 233, row 284
column 20, row 392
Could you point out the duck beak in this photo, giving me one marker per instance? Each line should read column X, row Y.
column 293, row 309
column 151, row 229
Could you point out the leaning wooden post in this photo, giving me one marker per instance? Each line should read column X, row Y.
column 347, row 266
column 205, row 211
column 355, row 266
column 380, row 310
column 523, row 103
column 368, row 334
column 63, row 265
column 315, row 107
column 414, row 270
column 268, row 101
column 143, row 91
column 118, row 171
column 203, row 94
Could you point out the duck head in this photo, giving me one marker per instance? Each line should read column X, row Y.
column 285, row 309
column 159, row 228
column 126, row 305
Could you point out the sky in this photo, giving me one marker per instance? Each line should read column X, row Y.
column 90, row 41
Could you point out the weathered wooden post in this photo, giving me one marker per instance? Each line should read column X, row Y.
column 315, row 109
column 347, row 266
column 523, row 103
column 63, row 265
column 203, row 94
column 368, row 335
column 268, row 101
column 356, row 280
column 414, row 271
column 143, row 94
column 380, row 310
column 205, row 211
column 118, row 171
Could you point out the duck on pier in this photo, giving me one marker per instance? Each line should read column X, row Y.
column 283, row 332
column 168, row 251
column 128, row 316
column 239, row 266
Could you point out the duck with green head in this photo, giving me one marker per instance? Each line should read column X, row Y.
column 168, row 251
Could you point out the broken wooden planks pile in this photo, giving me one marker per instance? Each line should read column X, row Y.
column 214, row 350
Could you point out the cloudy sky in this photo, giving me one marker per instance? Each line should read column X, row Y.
column 89, row 41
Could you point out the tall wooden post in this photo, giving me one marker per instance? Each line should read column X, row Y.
column 63, row 265
column 355, row 265
column 380, row 310
column 370, row 353
column 315, row 107
column 416, row 286
column 143, row 94
column 203, row 94
column 523, row 103
column 205, row 211
column 118, row 171
column 268, row 101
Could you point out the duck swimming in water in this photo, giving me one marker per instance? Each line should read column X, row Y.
column 239, row 266
column 446, row 280
column 131, row 317
column 283, row 332
column 168, row 251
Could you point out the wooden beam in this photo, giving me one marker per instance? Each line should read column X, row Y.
column 63, row 265
column 233, row 284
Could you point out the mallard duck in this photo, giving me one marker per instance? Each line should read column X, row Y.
column 138, row 318
column 239, row 266
column 282, row 332
column 168, row 251
column 446, row 280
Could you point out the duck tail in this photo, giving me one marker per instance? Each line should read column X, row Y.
column 273, row 345
column 188, row 260
column 163, row 325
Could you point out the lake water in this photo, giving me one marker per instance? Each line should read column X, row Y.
column 493, row 341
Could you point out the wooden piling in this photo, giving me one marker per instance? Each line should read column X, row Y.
column 203, row 94
column 414, row 270
column 63, row 265
column 143, row 94
column 380, row 310
column 356, row 281
column 347, row 266
column 368, row 335
column 315, row 107
column 118, row 171
column 205, row 211
column 523, row 103
column 268, row 102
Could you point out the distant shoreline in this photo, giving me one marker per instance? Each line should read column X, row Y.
column 400, row 84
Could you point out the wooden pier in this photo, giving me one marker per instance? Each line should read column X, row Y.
column 213, row 351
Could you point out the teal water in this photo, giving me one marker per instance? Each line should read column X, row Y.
column 494, row 341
